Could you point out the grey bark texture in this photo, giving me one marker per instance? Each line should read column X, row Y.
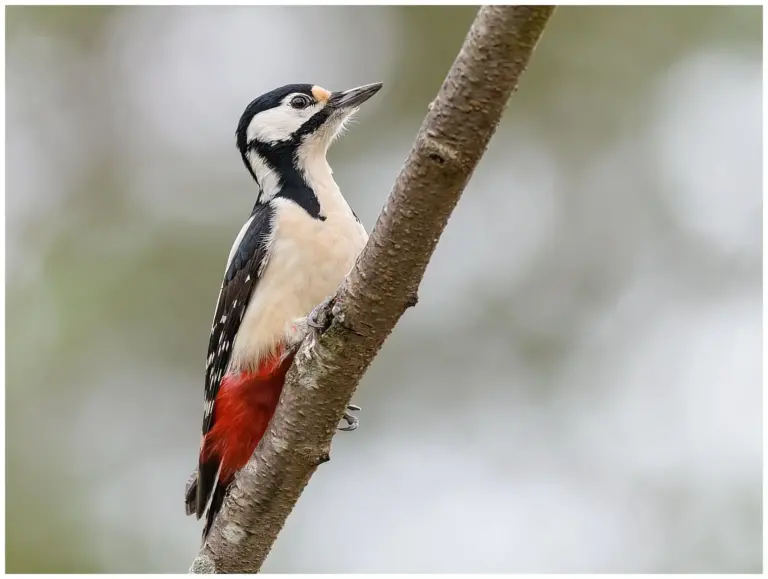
column 381, row 286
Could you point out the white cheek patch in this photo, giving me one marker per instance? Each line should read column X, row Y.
column 279, row 123
column 268, row 179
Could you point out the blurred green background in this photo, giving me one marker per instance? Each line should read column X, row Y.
column 579, row 389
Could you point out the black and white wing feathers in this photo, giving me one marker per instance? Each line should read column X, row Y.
column 240, row 280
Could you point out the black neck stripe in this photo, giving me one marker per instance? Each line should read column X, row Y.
column 281, row 158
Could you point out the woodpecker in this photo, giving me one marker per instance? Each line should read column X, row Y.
column 295, row 249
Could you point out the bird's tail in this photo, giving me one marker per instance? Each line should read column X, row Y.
column 190, row 493
column 217, row 501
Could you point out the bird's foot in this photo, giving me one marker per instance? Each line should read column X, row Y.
column 352, row 421
column 318, row 318
column 299, row 328
column 295, row 333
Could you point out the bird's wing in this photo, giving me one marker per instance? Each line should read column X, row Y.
column 246, row 264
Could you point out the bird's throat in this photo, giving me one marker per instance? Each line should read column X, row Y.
column 301, row 175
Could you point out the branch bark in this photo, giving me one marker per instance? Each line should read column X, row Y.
column 381, row 286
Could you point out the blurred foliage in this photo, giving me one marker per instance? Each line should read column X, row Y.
column 574, row 291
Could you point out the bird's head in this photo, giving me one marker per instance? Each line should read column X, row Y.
column 284, row 130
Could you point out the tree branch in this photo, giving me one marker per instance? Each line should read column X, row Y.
column 381, row 286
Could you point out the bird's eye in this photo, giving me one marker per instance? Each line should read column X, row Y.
column 300, row 102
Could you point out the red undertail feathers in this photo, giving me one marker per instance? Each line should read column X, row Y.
column 244, row 405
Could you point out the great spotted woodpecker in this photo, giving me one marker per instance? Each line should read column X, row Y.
column 295, row 249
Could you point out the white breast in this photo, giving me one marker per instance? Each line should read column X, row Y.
column 307, row 261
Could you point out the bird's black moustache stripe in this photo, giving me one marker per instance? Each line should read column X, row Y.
column 314, row 123
column 282, row 158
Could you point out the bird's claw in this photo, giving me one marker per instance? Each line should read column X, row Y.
column 312, row 322
column 352, row 421
column 312, row 317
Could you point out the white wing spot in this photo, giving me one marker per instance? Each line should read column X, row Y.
column 223, row 319
column 248, row 278
column 234, row 304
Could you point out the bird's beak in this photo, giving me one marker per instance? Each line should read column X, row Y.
column 353, row 97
